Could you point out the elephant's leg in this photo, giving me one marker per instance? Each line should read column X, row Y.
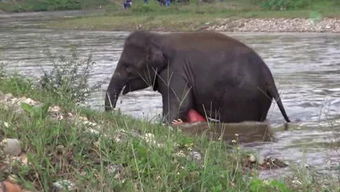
column 177, row 99
column 244, row 105
column 176, row 104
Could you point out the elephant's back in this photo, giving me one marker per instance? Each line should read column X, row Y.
column 200, row 41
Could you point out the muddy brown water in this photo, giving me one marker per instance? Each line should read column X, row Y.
column 306, row 68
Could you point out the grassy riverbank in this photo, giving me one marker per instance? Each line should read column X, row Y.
column 190, row 17
column 49, row 5
column 111, row 152
column 194, row 15
column 96, row 151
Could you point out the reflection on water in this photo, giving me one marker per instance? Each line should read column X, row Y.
column 245, row 132
column 306, row 69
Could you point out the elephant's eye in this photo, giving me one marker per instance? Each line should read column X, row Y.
column 128, row 69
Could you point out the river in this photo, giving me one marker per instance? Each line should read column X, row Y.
column 305, row 66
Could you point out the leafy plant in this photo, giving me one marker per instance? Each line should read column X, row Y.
column 69, row 77
column 2, row 71
column 36, row 112
column 285, row 4
column 258, row 185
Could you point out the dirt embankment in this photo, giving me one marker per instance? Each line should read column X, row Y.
column 277, row 25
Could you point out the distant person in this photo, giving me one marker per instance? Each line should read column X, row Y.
column 167, row 3
column 145, row 1
column 127, row 4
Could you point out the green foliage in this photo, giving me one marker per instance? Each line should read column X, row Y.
column 315, row 16
column 36, row 112
column 49, row 5
column 285, row 4
column 68, row 79
column 93, row 3
column 258, row 185
column 2, row 71
column 16, row 84
column 297, row 4
column 151, row 6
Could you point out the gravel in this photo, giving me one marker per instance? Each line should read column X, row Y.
column 330, row 25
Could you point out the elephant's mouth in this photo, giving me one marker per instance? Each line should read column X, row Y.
column 133, row 84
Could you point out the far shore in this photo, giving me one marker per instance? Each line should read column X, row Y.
column 116, row 23
column 285, row 21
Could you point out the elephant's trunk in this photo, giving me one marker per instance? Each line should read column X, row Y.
column 115, row 87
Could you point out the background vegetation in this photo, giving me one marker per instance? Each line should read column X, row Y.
column 50, row 5
column 139, row 6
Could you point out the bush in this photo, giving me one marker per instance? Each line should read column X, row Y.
column 50, row 5
column 151, row 6
column 68, row 78
column 285, row 4
column 2, row 70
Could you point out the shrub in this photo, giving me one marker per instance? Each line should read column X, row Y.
column 69, row 77
column 2, row 70
column 48, row 5
column 285, row 4
column 151, row 6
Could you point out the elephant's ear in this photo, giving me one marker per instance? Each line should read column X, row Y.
column 156, row 57
column 158, row 62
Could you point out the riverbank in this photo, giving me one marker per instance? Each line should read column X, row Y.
column 205, row 23
column 329, row 25
column 49, row 131
column 229, row 16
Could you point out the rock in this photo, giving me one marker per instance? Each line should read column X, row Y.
column 63, row 185
column 272, row 163
column 277, row 25
column 295, row 181
column 54, row 109
column 195, row 155
column 11, row 146
column 28, row 101
column 6, row 124
column 7, row 186
column 252, row 158
column 150, row 139
column 117, row 170
column 120, row 136
column 180, row 153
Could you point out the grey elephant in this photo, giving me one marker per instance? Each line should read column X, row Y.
column 209, row 72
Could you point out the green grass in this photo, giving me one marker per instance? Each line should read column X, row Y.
column 148, row 156
column 64, row 149
column 50, row 5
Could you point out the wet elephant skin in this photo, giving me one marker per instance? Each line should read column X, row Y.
column 212, row 73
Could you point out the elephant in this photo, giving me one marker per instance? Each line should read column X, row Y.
column 212, row 73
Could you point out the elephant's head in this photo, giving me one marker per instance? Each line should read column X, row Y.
column 141, row 60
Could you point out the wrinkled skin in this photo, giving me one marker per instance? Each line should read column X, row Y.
column 216, row 75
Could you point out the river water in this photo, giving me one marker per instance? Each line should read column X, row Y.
column 305, row 66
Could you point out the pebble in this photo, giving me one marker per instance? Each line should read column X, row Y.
column 252, row 158
column 63, row 185
column 196, row 156
column 7, row 186
column 11, row 146
column 117, row 170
